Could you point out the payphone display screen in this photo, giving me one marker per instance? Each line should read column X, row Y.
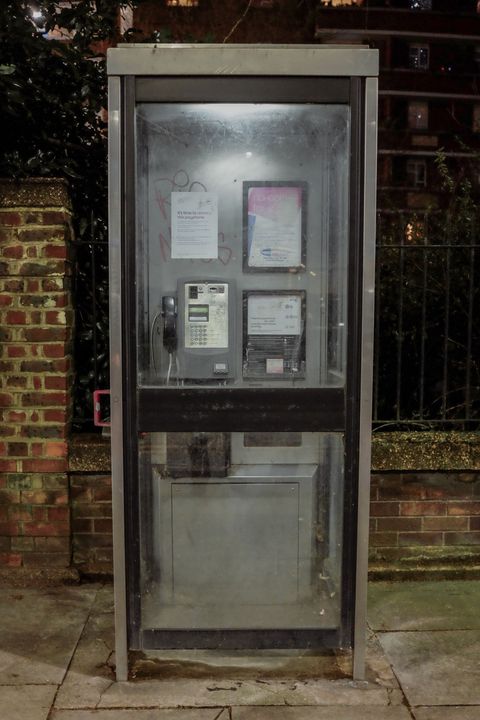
column 242, row 244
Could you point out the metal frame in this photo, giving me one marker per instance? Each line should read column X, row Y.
column 303, row 187
column 305, row 477
column 366, row 374
column 116, row 372
column 305, row 61
column 214, row 59
column 313, row 409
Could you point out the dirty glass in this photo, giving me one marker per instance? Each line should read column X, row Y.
column 241, row 530
column 242, row 227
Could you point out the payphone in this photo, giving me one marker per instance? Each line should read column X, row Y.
column 242, row 186
column 197, row 331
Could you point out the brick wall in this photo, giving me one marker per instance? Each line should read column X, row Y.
column 91, row 504
column 91, row 499
column 421, row 521
column 36, row 320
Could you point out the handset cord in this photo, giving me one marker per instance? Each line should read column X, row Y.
column 170, row 357
column 152, row 344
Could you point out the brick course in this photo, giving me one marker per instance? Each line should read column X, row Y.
column 431, row 520
column 36, row 320
column 91, row 499
column 421, row 519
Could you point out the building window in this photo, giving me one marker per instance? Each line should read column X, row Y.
column 418, row 115
column 476, row 119
column 182, row 3
column 421, row 4
column 415, row 231
column 335, row 3
column 417, row 173
column 55, row 32
column 418, row 57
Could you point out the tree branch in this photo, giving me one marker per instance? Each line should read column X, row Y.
column 240, row 19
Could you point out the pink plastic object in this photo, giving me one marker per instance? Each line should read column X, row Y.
column 97, row 407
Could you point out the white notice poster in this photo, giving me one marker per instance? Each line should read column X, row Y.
column 194, row 225
column 272, row 314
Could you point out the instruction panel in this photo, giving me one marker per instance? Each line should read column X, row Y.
column 272, row 314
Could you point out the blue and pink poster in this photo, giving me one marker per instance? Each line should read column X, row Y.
column 275, row 226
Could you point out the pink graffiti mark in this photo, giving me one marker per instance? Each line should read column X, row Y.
column 165, row 246
column 163, row 188
column 162, row 203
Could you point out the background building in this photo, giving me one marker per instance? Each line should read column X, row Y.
column 429, row 90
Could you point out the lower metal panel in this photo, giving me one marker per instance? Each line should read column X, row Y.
column 238, row 552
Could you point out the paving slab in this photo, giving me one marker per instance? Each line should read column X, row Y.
column 39, row 631
column 213, row 693
column 436, row 668
column 26, row 702
column 377, row 667
column 322, row 713
column 447, row 713
column 180, row 714
column 91, row 670
column 90, row 683
column 439, row 605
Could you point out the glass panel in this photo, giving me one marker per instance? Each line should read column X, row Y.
column 242, row 216
column 476, row 118
column 416, row 173
column 241, row 531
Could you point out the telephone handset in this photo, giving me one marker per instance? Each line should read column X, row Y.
column 198, row 329
column 169, row 314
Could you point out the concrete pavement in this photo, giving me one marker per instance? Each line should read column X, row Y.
column 56, row 663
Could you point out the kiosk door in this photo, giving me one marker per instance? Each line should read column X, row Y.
column 242, row 213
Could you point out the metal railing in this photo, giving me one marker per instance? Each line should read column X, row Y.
column 91, row 337
column 427, row 349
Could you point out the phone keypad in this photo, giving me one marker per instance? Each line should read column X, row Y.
column 198, row 336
